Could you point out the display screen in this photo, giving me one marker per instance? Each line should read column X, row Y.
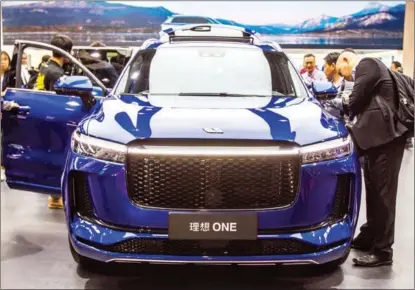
column 293, row 24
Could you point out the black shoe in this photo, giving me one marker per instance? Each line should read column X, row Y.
column 359, row 244
column 371, row 260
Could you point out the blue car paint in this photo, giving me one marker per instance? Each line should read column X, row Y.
column 312, row 206
column 112, row 204
column 81, row 83
column 37, row 151
column 105, row 236
column 35, row 144
column 260, row 118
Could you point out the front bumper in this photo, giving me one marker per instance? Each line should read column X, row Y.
column 335, row 239
column 117, row 220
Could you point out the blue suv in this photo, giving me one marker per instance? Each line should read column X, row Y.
column 209, row 150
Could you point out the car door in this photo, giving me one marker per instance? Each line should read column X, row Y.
column 37, row 136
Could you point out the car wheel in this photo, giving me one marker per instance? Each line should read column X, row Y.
column 84, row 262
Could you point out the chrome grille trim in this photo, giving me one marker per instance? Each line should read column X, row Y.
column 231, row 151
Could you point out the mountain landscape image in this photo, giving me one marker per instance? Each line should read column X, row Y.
column 377, row 25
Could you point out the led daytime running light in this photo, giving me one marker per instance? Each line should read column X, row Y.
column 98, row 148
column 327, row 150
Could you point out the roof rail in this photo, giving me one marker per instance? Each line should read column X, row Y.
column 206, row 28
column 243, row 39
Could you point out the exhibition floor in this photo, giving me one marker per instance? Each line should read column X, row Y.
column 35, row 254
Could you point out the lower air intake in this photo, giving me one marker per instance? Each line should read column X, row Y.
column 261, row 247
column 342, row 197
column 82, row 197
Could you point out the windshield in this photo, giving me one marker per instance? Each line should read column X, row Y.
column 202, row 70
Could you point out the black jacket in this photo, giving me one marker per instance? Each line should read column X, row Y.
column 104, row 70
column 374, row 102
column 9, row 80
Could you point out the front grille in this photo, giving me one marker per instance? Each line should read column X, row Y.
column 211, row 182
column 341, row 197
column 265, row 247
column 82, row 202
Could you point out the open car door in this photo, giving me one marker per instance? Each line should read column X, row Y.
column 36, row 137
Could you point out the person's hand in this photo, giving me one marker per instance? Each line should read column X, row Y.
column 8, row 106
column 345, row 98
column 14, row 105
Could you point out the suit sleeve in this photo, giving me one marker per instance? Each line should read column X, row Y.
column 410, row 81
column 366, row 78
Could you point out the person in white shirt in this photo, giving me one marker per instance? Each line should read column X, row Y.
column 312, row 73
column 25, row 71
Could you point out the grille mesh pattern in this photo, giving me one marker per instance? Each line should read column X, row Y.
column 213, row 248
column 212, row 183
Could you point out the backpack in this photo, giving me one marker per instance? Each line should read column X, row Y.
column 40, row 78
column 32, row 80
column 404, row 86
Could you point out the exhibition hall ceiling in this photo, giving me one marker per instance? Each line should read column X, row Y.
column 294, row 24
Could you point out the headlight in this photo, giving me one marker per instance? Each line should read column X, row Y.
column 97, row 148
column 327, row 150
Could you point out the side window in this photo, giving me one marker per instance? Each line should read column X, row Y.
column 35, row 65
column 285, row 79
column 282, row 82
column 104, row 64
column 31, row 64
column 297, row 81
column 136, row 78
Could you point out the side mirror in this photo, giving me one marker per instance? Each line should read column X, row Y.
column 79, row 86
column 98, row 92
column 324, row 90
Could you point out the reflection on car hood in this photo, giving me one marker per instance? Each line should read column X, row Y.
column 297, row 120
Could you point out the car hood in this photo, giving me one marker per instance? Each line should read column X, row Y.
column 298, row 120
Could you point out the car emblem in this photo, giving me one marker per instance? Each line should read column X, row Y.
column 213, row 130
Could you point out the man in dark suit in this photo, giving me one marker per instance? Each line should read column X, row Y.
column 381, row 140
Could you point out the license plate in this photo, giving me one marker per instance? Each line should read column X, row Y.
column 196, row 226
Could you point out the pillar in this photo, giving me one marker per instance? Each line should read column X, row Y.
column 408, row 40
column 1, row 24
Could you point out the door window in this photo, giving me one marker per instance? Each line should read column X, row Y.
column 33, row 58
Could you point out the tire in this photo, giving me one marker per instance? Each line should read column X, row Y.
column 84, row 262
